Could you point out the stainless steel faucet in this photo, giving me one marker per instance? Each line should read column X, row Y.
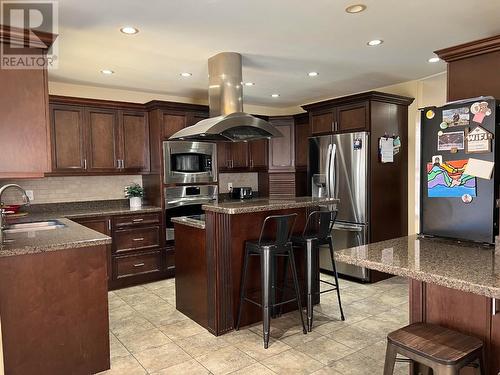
column 25, row 199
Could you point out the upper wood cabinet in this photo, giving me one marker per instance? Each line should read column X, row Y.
column 238, row 155
column 68, row 138
column 134, row 130
column 282, row 149
column 352, row 117
column 258, row 154
column 322, row 122
column 24, row 141
column 97, row 138
column 302, row 134
column 172, row 123
column 349, row 113
column 102, row 140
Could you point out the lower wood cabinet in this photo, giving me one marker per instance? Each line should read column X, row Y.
column 137, row 253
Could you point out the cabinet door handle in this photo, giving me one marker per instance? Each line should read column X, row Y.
column 84, row 163
column 139, row 239
column 494, row 307
column 251, row 163
column 109, row 224
column 139, row 265
column 137, row 220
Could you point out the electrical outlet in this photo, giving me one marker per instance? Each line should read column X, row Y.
column 30, row 195
column 229, row 186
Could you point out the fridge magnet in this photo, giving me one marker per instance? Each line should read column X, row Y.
column 430, row 114
column 448, row 180
column 480, row 110
column 451, row 140
column 478, row 141
column 456, row 116
column 466, row 198
column 443, row 125
column 437, row 160
column 440, row 132
column 358, row 144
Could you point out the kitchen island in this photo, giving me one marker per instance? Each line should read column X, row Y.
column 209, row 257
column 452, row 284
column 54, row 300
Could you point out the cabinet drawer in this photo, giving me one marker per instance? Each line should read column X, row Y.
column 136, row 239
column 131, row 265
column 136, row 220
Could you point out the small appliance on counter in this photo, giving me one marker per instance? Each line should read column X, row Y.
column 241, row 193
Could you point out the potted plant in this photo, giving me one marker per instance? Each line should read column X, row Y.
column 134, row 193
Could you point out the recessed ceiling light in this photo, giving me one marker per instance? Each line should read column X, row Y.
column 434, row 59
column 357, row 8
column 313, row 74
column 249, row 84
column 375, row 42
column 186, row 74
column 107, row 72
column 129, row 30
column 275, row 95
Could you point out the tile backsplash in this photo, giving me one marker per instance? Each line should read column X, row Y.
column 71, row 189
column 238, row 180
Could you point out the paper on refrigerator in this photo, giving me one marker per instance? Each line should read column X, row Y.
column 479, row 168
column 386, row 147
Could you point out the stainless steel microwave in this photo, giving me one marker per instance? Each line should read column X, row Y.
column 188, row 162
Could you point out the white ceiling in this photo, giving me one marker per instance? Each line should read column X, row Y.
column 280, row 40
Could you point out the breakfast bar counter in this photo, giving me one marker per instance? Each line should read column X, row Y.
column 456, row 285
column 209, row 257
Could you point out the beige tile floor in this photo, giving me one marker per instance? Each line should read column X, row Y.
column 149, row 336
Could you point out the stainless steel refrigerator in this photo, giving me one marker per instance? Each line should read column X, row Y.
column 338, row 168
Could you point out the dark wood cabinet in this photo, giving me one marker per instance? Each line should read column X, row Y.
column 98, row 137
column 302, row 134
column 495, row 334
column 101, row 225
column 23, row 104
column 352, row 117
column 102, row 140
column 171, row 124
column 134, row 133
column 258, row 154
column 238, row 155
column 68, row 138
column 282, row 149
column 322, row 122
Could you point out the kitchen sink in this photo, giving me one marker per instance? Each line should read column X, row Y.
column 34, row 226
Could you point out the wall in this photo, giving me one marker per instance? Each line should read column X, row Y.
column 238, row 180
column 72, row 189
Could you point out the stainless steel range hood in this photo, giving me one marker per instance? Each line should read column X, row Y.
column 227, row 120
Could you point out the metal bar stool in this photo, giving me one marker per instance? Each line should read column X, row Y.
column 440, row 349
column 267, row 249
column 317, row 231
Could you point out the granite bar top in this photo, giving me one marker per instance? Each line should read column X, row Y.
column 72, row 236
column 264, row 204
column 189, row 221
column 462, row 266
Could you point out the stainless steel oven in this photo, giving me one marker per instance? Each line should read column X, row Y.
column 190, row 162
column 186, row 201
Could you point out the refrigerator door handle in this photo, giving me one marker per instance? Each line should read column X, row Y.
column 327, row 170
column 333, row 175
column 347, row 227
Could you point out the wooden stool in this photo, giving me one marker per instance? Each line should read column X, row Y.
column 441, row 349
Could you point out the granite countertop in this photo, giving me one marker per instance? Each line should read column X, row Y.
column 191, row 221
column 72, row 236
column 263, row 204
column 466, row 267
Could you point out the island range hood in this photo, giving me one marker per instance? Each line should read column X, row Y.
column 227, row 120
